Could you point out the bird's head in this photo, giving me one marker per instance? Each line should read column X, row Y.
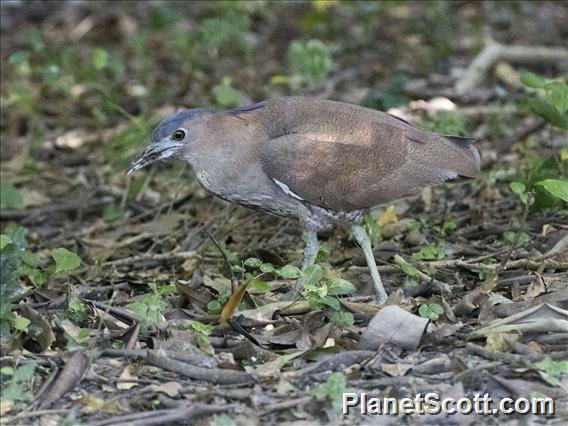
column 171, row 138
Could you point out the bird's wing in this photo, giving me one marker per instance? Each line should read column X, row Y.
column 332, row 173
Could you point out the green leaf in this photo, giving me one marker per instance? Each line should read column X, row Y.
column 224, row 420
column 410, row 270
column 4, row 241
column 252, row 262
column 338, row 287
column 557, row 187
column 520, row 238
column 21, row 323
column 7, row 371
column 100, row 59
column 342, row 318
column 430, row 252
column 289, row 272
column 551, row 370
column 557, row 94
column 214, row 307
column 310, row 60
column 259, row 285
column 267, row 268
column 432, row 311
column 532, row 80
column 312, row 275
column 204, row 329
column 9, row 284
column 333, row 389
column 112, row 212
column 226, row 95
column 547, row 111
column 10, row 197
column 332, row 302
column 65, row 260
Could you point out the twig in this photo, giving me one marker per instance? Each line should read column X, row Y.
column 286, row 405
column 495, row 52
column 211, row 375
column 29, row 414
column 334, row 362
column 151, row 257
column 160, row 417
column 233, row 279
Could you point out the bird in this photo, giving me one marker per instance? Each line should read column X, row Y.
column 326, row 163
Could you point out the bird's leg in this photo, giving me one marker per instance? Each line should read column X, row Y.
column 365, row 242
column 310, row 255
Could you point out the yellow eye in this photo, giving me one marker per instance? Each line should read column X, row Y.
column 178, row 135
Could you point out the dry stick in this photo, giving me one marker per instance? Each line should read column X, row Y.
column 186, row 357
column 37, row 413
column 159, row 417
column 440, row 286
column 233, row 279
column 286, row 405
column 495, row 52
column 334, row 362
column 211, row 375
column 491, row 281
column 150, row 257
column 508, row 358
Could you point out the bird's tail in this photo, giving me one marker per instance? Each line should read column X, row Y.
column 463, row 157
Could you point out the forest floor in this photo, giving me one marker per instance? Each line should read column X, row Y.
column 114, row 317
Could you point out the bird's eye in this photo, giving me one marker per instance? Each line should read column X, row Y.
column 178, row 135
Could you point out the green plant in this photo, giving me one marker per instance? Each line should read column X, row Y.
column 551, row 370
column 10, row 197
column 322, row 293
column 77, row 310
column 448, row 123
column 431, row 311
column 391, row 96
column 373, row 228
column 333, row 389
column 518, row 238
column 547, row 99
column 311, row 60
column 225, row 94
column 203, row 331
column 150, row 307
column 430, row 252
column 17, row 388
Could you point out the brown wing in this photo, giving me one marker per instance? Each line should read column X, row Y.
column 345, row 176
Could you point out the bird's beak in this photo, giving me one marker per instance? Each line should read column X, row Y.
column 154, row 152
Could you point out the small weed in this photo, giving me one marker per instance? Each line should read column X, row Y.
column 150, row 307
column 551, row 370
column 432, row 311
column 430, row 252
column 17, row 389
column 333, row 390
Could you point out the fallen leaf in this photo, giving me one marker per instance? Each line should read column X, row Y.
column 396, row 370
column 233, row 303
column 537, row 287
column 6, row 406
column 126, row 375
column 395, row 326
column 389, row 216
column 171, row 389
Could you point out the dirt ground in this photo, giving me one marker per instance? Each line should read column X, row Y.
column 112, row 312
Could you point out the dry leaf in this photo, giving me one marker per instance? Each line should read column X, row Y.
column 171, row 389
column 126, row 375
column 233, row 302
column 5, row 406
column 393, row 325
column 389, row 216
